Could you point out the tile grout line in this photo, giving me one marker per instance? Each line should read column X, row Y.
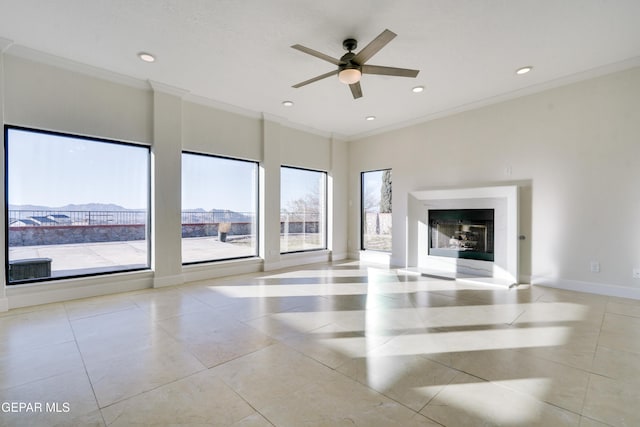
column 246, row 401
column 84, row 364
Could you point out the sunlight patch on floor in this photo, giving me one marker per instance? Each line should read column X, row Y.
column 494, row 401
column 446, row 342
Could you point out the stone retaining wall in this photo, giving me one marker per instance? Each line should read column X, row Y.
column 211, row 229
column 299, row 227
column 68, row 234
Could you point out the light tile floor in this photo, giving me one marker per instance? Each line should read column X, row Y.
column 324, row 345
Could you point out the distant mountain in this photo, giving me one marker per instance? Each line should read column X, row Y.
column 94, row 207
column 214, row 215
column 72, row 207
column 230, row 216
column 218, row 214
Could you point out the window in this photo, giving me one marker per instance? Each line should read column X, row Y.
column 219, row 208
column 376, row 210
column 76, row 206
column 303, row 201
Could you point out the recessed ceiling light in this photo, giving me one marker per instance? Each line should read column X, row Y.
column 287, row 103
column 146, row 57
column 524, row 70
column 417, row 89
column 370, row 118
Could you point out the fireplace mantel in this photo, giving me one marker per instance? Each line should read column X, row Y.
column 503, row 199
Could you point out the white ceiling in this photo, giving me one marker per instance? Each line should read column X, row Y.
column 237, row 52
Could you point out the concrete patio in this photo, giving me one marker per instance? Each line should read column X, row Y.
column 73, row 259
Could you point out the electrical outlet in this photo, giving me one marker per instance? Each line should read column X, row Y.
column 595, row 267
column 636, row 273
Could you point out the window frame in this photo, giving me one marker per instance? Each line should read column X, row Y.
column 148, row 228
column 362, row 212
column 325, row 210
column 257, row 208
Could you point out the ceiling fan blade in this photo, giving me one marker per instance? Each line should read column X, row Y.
column 315, row 79
column 356, row 90
column 372, row 48
column 316, row 54
column 389, row 71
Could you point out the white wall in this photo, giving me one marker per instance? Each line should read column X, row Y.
column 44, row 95
column 575, row 153
column 301, row 149
column 206, row 129
column 47, row 97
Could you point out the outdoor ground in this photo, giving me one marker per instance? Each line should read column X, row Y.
column 73, row 259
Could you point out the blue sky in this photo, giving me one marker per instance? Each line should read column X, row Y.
column 372, row 186
column 296, row 183
column 55, row 171
column 217, row 183
column 213, row 182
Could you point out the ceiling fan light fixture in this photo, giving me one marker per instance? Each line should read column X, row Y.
column 349, row 76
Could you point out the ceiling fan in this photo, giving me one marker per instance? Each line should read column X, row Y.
column 352, row 65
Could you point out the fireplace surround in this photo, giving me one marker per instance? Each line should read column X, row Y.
column 502, row 270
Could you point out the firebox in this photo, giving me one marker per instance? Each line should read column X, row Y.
column 462, row 233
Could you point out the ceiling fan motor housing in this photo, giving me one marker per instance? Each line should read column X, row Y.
column 350, row 44
column 346, row 62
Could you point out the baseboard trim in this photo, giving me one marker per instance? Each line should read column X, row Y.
column 163, row 282
column 299, row 258
column 197, row 272
column 67, row 290
column 524, row 279
column 588, row 287
column 339, row 256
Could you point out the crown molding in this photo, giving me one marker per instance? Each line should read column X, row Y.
column 208, row 102
column 218, row 105
column 4, row 44
column 7, row 46
column 530, row 90
column 307, row 129
column 167, row 89
column 339, row 137
column 268, row 117
column 67, row 64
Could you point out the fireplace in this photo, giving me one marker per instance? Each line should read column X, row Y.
column 493, row 209
column 462, row 233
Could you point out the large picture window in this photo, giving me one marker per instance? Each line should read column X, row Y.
column 303, row 201
column 219, row 208
column 376, row 210
column 75, row 206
